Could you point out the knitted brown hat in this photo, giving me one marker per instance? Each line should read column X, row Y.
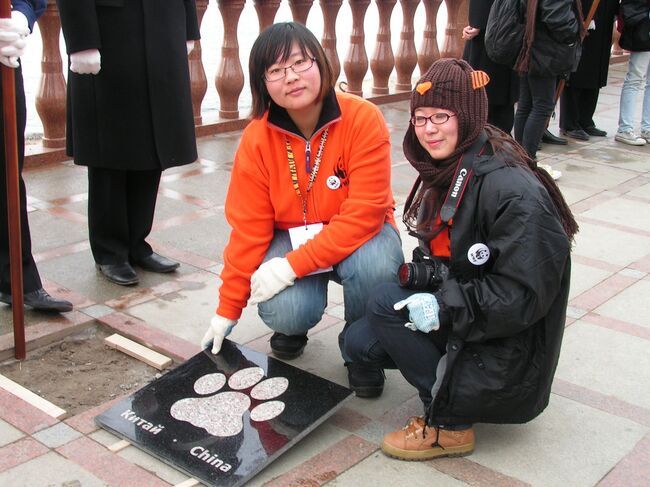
column 453, row 85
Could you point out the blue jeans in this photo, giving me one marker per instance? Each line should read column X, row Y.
column 638, row 67
column 535, row 106
column 300, row 307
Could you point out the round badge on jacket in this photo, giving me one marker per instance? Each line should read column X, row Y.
column 478, row 254
column 333, row 182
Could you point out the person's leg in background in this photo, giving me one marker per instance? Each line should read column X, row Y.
column 537, row 94
column 587, row 108
column 33, row 293
column 636, row 69
column 570, row 106
column 645, row 113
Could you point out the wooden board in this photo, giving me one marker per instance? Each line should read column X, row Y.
column 34, row 399
column 138, row 351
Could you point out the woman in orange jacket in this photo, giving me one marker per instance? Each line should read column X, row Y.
column 309, row 201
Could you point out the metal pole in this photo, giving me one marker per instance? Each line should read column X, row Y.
column 13, row 197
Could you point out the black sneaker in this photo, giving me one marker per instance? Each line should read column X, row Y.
column 365, row 380
column 288, row 346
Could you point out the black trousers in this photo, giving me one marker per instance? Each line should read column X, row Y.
column 121, row 206
column 502, row 116
column 535, row 106
column 31, row 279
column 577, row 108
column 380, row 339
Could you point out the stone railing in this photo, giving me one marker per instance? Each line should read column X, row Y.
column 391, row 71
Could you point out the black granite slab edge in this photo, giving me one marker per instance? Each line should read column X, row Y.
column 229, row 459
column 208, row 481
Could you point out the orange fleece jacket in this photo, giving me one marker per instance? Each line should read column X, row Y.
column 261, row 197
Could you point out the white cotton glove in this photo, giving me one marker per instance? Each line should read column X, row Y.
column 86, row 62
column 13, row 34
column 423, row 312
column 592, row 25
column 219, row 329
column 271, row 278
column 190, row 46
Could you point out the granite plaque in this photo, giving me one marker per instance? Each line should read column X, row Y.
column 223, row 418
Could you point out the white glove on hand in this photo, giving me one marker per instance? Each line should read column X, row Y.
column 86, row 62
column 190, row 46
column 271, row 278
column 13, row 33
column 219, row 329
column 423, row 312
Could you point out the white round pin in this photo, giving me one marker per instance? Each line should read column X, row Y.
column 478, row 254
column 333, row 182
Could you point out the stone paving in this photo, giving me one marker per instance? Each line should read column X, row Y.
column 596, row 430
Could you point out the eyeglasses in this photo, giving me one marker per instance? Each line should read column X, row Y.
column 300, row 66
column 436, row 119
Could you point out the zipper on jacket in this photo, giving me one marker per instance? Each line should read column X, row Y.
column 308, row 156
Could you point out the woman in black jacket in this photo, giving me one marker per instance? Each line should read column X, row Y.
column 551, row 49
column 478, row 329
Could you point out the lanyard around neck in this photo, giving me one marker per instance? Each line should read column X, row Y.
column 314, row 172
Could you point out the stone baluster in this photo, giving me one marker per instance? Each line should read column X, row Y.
column 383, row 61
column 429, row 49
column 230, row 77
column 50, row 100
column 198, row 80
column 456, row 20
column 355, row 65
column 266, row 10
column 330, row 10
column 406, row 58
column 300, row 10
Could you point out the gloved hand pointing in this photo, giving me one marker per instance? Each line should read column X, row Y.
column 86, row 62
column 271, row 278
column 423, row 312
column 13, row 33
column 219, row 329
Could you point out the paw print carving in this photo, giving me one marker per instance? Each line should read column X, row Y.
column 222, row 414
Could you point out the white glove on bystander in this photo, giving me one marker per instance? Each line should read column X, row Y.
column 423, row 312
column 13, row 33
column 86, row 62
column 190, row 46
column 219, row 329
column 271, row 278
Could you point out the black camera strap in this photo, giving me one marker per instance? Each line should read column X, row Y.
column 461, row 178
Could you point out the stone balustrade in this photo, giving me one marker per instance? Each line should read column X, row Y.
column 407, row 61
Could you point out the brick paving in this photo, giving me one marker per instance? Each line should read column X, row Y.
column 596, row 430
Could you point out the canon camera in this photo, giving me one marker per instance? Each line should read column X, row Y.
column 425, row 273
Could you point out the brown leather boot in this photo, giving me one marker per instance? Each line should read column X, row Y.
column 417, row 442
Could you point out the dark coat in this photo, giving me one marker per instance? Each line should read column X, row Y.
column 506, row 316
column 556, row 46
column 636, row 25
column 503, row 88
column 596, row 47
column 136, row 114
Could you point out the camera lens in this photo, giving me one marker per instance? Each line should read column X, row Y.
column 405, row 274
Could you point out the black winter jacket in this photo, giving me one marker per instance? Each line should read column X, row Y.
column 636, row 25
column 506, row 316
column 556, row 47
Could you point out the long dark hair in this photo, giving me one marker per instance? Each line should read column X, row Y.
column 423, row 206
column 276, row 43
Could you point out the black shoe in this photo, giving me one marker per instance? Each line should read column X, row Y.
column 549, row 138
column 288, row 346
column 122, row 274
column 577, row 134
column 40, row 300
column 365, row 380
column 596, row 132
column 157, row 263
